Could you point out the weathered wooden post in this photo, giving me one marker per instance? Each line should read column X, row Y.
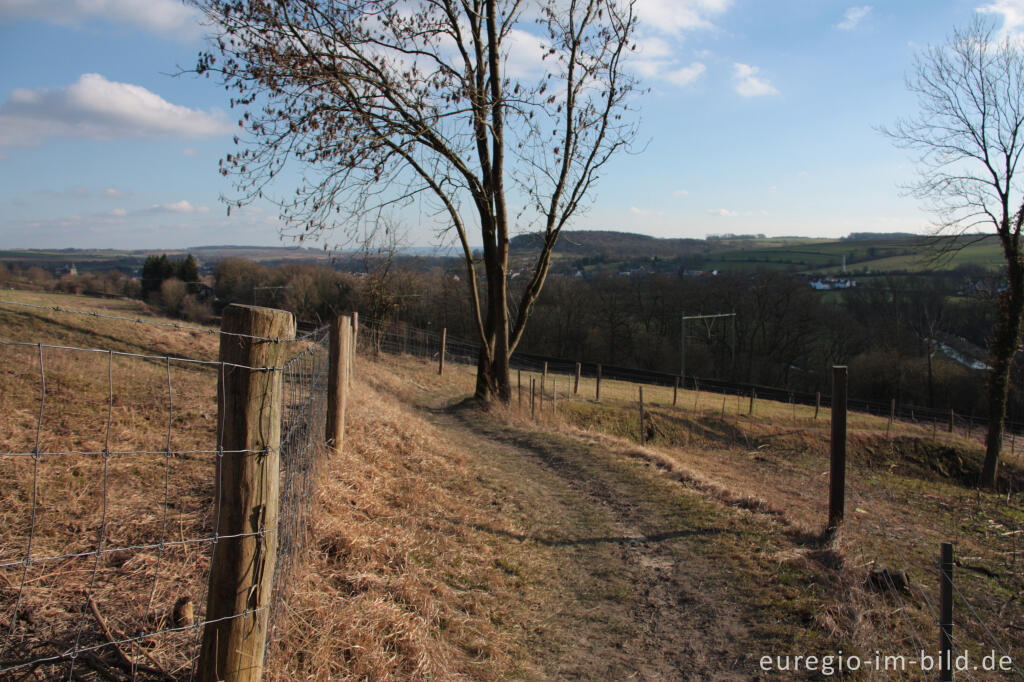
column 723, row 405
column 444, row 344
column 837, row 468
column 753, row 397
column 946, row 614
column 337, row 380
column 643, row 435
column 597, row 386
column 696, row 398
column 952, row 419
column 247, row 478
column 817, row 404
column 554, row 395
column 532, row 402
column 355, row 342
column 576, row 384
column 892, row 417
column 675, row 392
column 543, row 381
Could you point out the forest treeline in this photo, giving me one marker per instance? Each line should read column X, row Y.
column 897, row 334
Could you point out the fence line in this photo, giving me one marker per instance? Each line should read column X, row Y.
column 108, row 517
column 403, row 339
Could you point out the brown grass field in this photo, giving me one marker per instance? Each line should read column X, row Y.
column 448, row 542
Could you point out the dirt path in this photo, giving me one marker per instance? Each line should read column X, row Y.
column 642, row 578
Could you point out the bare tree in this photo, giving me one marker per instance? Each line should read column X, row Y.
column 969, row 134
column 480, row 108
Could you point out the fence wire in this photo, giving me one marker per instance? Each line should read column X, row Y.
column 107, row 518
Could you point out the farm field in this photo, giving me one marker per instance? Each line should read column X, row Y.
column 447, row 541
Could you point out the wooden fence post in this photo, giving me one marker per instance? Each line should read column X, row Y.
column 597, row 387
column 444, row 343
column 723, row 406
column 533, row 403
column 543, row 381
column 696, row 398
column 339, row 357
column 355, row 343
column 817, row 404
column 554, row 395
column 675, row 391
column 643, row 435
column 837, row 468
column 246, row 513
column 753, row 397
column 576, row 384
column 946, row 614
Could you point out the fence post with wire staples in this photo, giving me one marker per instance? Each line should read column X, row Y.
column 247, row 480
column 837, row 464
column 946, row 614
column 339, row 354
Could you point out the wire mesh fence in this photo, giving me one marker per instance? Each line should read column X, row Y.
column 110, row 461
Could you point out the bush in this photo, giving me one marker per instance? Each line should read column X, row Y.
column 172, row 293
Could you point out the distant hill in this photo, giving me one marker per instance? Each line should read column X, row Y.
column 577, row 243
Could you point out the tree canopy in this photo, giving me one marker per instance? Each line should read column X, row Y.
column 477, row 110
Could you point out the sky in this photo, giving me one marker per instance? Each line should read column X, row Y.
column 759, row 117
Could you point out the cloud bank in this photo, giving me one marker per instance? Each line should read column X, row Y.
column 94, row 107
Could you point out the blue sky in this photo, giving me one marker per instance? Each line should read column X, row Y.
column 760, row 119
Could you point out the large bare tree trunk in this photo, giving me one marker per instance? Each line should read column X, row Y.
column 492, row 375
column 1004, row 347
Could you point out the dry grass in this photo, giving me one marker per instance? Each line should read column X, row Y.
column 395, row 582
column 909, row 488
column 151, row 489
column 399, row 584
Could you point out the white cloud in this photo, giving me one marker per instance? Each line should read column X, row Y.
column 678, row 16
column 96, row 108
column 113, row 193
column 525, row 54
column 1011, row 11
column 748, row 84
column 853, row 16
column 189, row 152
column 645, row 212
column 680, row 193
column 182, row 206
column 170, row 17
column 117, row 213
column 686, row 75
column 723, row 212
